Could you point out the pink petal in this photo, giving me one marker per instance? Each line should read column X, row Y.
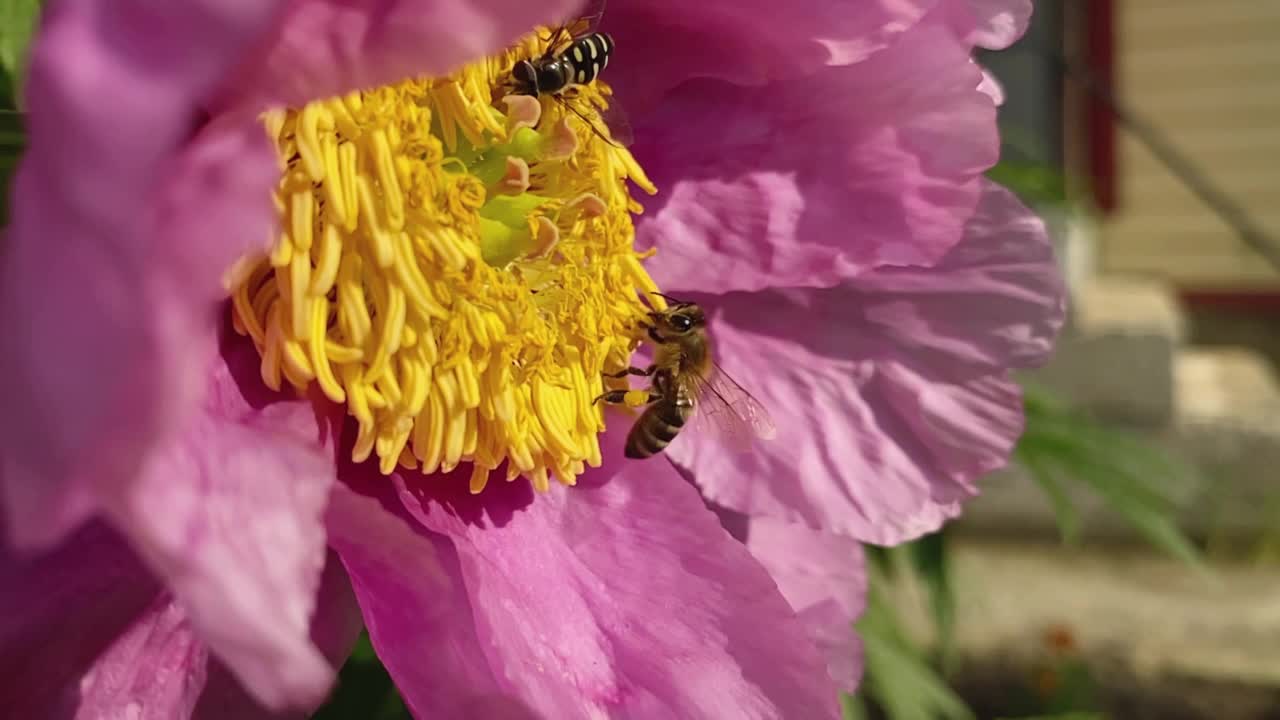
column 822, row 576
column 999, row 23
column 87, row 632
column 622, row 597
column 230, row 516
column 992, row 87
column 335, row 627
column 154, row 671
column 60, row 612
column 413, row 598
column 327, row 47
column 122, row 227
column 891, row 393
column 817, row 179
column 751, row 42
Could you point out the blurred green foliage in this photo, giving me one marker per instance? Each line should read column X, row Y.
column 1138, row 482
column 1035, row 184
column 899, row 680
column 1060, row 450
column 17, row 23
column 364, row 690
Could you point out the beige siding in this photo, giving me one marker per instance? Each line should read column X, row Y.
column 1208, row 75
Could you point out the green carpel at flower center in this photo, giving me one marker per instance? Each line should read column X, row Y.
column 455, row 267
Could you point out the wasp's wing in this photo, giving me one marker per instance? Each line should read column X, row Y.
column 576, row 27
column 589, row 20
column 616, row 120
column 727, row 412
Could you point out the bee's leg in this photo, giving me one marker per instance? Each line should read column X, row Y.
column 642, row 372
column 619, row 397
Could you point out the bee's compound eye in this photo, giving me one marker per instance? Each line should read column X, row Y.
column 681, row 323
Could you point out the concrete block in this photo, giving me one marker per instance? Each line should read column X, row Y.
column 1228, row 419
column 1226, row 425
column 1116, row 357
column 1136, row 618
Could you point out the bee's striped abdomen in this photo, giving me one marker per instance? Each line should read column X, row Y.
column 656, row 428
column 587, row 57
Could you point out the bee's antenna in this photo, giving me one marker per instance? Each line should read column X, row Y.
column 669, row 299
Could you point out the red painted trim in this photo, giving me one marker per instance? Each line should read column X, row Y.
column 1261, row 301
column 1099, row 54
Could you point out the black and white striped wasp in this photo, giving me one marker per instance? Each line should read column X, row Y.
column 562, row 69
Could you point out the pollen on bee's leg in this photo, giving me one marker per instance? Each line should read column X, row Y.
column 456, row 270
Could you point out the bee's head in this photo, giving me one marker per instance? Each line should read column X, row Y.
column 680, row 318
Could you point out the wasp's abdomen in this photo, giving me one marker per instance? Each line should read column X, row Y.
column 587, row 57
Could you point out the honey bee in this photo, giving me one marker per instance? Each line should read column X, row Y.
column 559, row 70
column 687, row 384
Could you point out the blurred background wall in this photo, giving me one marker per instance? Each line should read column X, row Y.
column 1127, row 565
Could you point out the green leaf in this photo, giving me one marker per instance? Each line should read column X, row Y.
column 898, row 677
column 1065, row 716
column 1046, row 475
column 1137, row 481
column 12, row 139
column 853, row 708
column 1034, row 183
column 17, row 23
column 926, row 560
column 364, row 690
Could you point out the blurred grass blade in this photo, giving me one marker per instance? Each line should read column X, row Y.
column 12, row 140
column 1034, row 183
column 1137, row 481
column 898, row 677
column 1065, row 716
column 364, row 690
column 1045, row 475
column 17, row 24
column 13, row 135
column 926, row 560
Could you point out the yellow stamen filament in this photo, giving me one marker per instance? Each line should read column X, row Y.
column 455, row 267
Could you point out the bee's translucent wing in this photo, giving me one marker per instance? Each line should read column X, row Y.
column 728, row 413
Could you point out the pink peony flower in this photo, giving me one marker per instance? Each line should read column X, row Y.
column 454, row 270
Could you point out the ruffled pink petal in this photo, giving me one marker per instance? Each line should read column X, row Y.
column 59, row 612
column 326, row 47
column 154, row 671
column 335, row 627
column 891, row 393
column 122, row 227
column 822, row 576
column 230, row 516
column 992, row 86
column 413, row 598
column 667, row 42
column 87, row 632
column 998, row 23
column 816, row 179
column 621, row 597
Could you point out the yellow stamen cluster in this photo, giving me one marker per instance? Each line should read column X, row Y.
column 456, row 267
